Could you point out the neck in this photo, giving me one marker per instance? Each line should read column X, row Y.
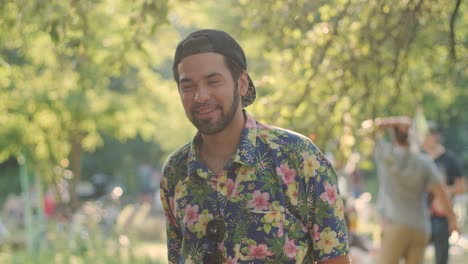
column 402, row 145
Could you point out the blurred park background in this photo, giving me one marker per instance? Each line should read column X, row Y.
column 89, row 110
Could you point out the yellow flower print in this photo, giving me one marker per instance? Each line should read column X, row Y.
column 245, row 173
column 164, row 182
column 293, row 193
column 200, row 226
column 272, row 217
column 252, row 135
column 202, row 173
column 243, row 152
column 339, row 210
column 269, row 138
column 222, row 179
column 180, row 190
column 301, row 254
column 328, row 241
column 311, row 164
column 188, row 260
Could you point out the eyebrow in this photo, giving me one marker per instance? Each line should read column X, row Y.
column 208, row 76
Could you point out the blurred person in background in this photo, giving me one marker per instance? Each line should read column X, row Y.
column 242, row 191
column 362, row 250
column 406, row 178
column 451, row 171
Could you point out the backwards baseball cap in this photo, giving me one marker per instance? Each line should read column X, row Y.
column 217, row 41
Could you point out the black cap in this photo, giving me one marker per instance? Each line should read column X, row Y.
column 217, row 41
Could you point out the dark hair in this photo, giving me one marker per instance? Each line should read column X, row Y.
column 433, row 127
column 401, row 136
column 232, row 66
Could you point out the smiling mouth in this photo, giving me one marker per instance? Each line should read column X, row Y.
column 205, row 110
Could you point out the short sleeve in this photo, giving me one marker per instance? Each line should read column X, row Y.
column 328, row 223
column 432, row 172
column 173, row 233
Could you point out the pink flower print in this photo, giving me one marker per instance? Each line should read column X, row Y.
column 261, row 251
column 213, row 183
column 280, row 232
column 232, row 190
column 286, row 173
column 330, row 195
column 191, row 214
column 259, row 201
column 290, row 248
column 172, row 203
column 231, row 260
column 316, row 232
column 169, row 211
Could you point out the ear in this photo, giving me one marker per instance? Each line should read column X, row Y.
column 243, row 83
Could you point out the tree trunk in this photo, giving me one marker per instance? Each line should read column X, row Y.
column 75, row 165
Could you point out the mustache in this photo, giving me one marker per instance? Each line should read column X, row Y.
column 197, row 107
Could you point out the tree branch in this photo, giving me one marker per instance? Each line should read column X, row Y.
column 317, row 60
column 453, row 54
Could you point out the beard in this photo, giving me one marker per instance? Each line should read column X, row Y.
column 208, row 127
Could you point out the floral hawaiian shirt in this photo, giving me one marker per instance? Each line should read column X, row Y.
column 278, row 198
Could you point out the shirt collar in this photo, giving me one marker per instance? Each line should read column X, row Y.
column 244, row 155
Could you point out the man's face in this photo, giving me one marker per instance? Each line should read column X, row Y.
column 430, row 141
column 209, row 95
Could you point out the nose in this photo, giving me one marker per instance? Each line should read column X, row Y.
column 202, row 94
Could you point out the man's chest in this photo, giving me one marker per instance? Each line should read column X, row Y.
column 252, row 207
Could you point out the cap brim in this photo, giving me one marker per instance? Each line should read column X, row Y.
column 249, row 97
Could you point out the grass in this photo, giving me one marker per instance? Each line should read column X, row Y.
column 93, row 250
column 145, row 245
column 78, row 244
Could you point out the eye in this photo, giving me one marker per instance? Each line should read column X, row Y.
column 186, row 88
column 214, row 82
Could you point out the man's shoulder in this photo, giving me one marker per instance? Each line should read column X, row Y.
column 286, row 140
column 422, row 159
column 177, row 157
column 427, row 166
column 283, row 134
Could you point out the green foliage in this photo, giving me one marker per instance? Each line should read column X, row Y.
column 73, row 71
column 9, row 182
column 76, row 75
column 337, row 63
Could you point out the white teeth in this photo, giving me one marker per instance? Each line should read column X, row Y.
column 206, row 110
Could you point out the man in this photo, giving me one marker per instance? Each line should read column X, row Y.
column 241, row 191
column 456, row 184
column 405, row 180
